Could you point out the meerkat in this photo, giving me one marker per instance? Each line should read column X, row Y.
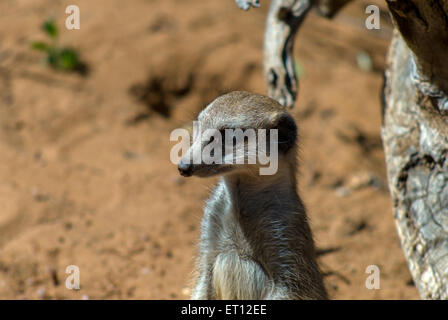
column 255, row 241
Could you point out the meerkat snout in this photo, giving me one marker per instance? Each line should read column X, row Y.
column 240, row 132
column 185, row 169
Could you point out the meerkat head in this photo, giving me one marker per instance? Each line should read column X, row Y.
column 239, row 131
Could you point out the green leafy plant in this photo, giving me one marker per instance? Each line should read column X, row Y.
column 57, row 57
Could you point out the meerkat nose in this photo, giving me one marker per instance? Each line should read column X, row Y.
column 185, row 170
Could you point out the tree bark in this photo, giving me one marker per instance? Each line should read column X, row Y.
column 415, row 137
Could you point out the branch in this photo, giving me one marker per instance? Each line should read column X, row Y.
column 284, row 19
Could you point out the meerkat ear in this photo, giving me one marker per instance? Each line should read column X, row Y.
column 287, row 132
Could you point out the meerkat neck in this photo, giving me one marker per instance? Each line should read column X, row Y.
column 285, row 175
column 251, row 193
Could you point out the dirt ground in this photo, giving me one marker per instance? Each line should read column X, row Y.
column 85, row 175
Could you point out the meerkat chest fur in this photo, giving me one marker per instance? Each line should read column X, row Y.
column 257, row 241
column 236, row 271
column 250, row 240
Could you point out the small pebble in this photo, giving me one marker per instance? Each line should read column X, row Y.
column 342, row 192
column 144, row 271
column 186, row 292
column 41, row 292
column 364, row 61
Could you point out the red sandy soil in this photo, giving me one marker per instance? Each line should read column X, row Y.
column 85, row 175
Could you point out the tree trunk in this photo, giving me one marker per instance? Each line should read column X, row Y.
column 415, row 137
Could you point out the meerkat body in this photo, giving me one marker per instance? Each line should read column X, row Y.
column 255, row 239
